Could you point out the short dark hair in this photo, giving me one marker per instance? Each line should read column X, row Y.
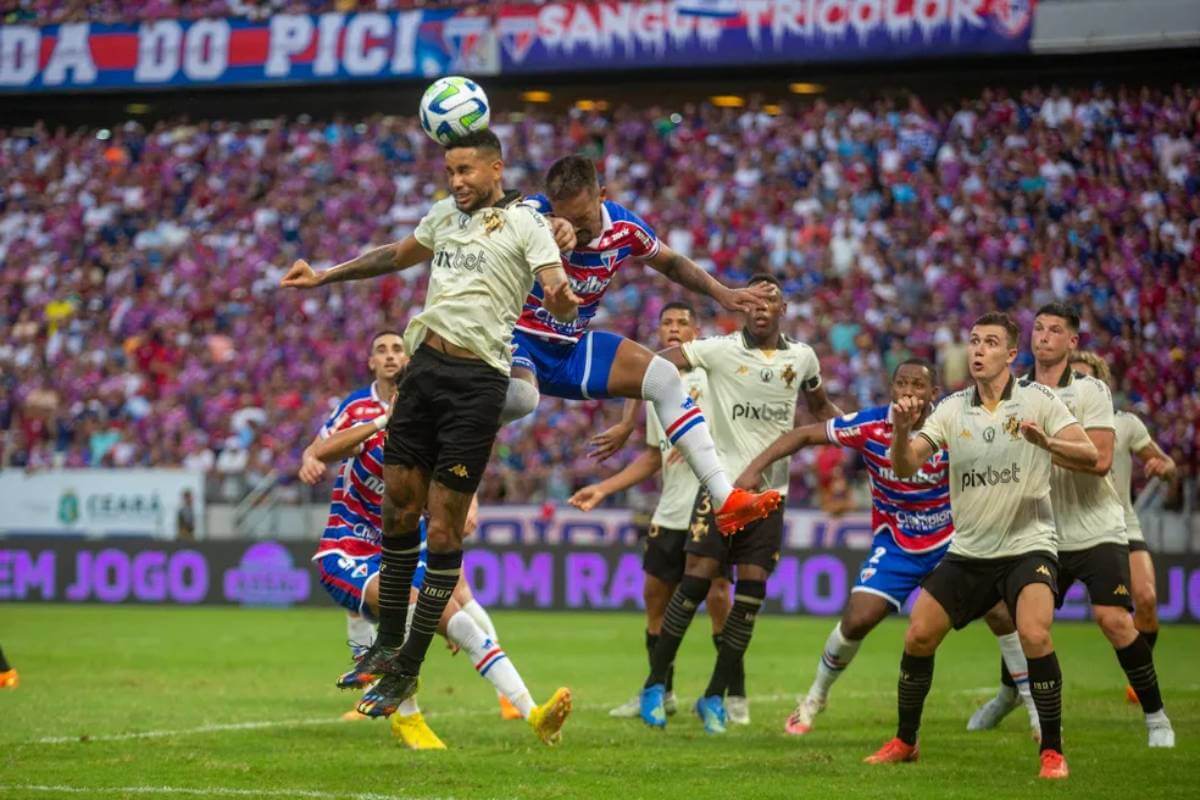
column 480, row 140
column 571, row 175
column 917, row 361
column 678, row 305
column 1002, row 320
column 385, row 332
column 1061, row 310
column 765, row 277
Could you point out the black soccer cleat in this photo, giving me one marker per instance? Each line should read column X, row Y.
column 382, row 699
column 371, row 667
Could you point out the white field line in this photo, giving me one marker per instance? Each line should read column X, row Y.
column 461, row 712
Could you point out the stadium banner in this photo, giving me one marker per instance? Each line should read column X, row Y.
column 286, row 48
column 577, row 36
column 533, row 577
column 99, row 502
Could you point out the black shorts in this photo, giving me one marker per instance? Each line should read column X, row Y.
column 663, row 555
column 1138, row 546
column 968, row 588
column 1103, row 569
column 446, row 417
column 758, row 543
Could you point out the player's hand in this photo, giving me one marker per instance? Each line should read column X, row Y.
column 588, row 497
column 905, row 413
column 674, row 456
column 750, row 479
column 1163, row 468
column 452, row 647
column 608, row 442
column 1034, row 434
column 561, row 302
column 301, row 276
column 472, row 522
column 312, row 469
column 564, row 233
column 747, row 300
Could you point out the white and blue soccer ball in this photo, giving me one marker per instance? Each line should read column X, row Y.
column 452, row 107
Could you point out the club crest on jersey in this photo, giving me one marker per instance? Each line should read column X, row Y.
column 493, row 221
column 767, row 374
column 609, row 259
column 789, row 375
column 866, row 574
column 1012, row 426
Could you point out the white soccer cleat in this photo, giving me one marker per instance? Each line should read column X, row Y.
column 627, row 710
column 990, row 713
column 801, row 720
column 737, row 710
column 1161, row 734
column 670, row 705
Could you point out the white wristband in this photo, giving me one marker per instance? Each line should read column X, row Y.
column 380, row 422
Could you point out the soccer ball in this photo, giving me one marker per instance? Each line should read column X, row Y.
column 452, row 107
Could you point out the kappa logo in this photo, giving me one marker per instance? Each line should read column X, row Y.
column 1121, row 590
column 965, row 434
column 459, row 470
column 742, row 370
column 1043, row 570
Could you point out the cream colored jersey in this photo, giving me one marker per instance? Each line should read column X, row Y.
column 999, row 482
column 1087, row 508
column 753, row 396
column 679, row 484
column 1132, row 437
column 483, row 268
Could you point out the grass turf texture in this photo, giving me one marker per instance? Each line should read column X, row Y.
column 91, row 673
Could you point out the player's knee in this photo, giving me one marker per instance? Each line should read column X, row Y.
column 718, row 595
column 661, row 376
column 999, row 620
column 1035, row 637
column 1116, row 624
column 919, row 640
column 520, row 400
column 1145, row 599
column 856, row 625
column 441, row 537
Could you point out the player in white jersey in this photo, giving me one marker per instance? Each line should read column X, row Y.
column 664, row 558
column 755, row 377
column 1001, row 436
column 1133, row 439
column 487, row 249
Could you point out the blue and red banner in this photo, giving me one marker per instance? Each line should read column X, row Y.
column 504, row 38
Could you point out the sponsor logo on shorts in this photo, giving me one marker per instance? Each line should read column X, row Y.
column 973, row 479
column 867, row 574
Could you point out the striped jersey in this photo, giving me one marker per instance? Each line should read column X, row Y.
column 590, row 268
column 353, row 527
column 914, row 510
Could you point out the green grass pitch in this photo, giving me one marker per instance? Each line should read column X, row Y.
column 94, row 678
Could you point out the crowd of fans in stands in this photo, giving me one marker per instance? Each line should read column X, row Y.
column 139, row 266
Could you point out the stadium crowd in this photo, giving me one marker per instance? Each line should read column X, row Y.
column 139, row 266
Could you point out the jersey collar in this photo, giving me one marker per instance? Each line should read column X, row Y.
column 1068, row 377
column 1005, row 395
column 507, row 199
column 783, row 341
column 606, row 225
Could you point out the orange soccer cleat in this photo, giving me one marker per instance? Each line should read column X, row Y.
column 1131, row 695
column 9, row 679
column 743, row 507
column 894, row 752
column 1054, row 766
column 507, row 709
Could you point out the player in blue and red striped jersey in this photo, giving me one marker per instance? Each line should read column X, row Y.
column 910, row 517
column 349, row 553
column 568, row 360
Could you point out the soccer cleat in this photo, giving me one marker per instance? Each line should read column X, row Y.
column 1054, row 766
column 353, row 716
column 415, row 734
column 894, row 752
column 382, row 699
column 743, row 507
column 711, row 711
column 370, row 668
column 1161, row 733
column 9, row 679
column 650, row 706
column 627, row 710
column 507, row 709
column 670, row 704
column 988, row 715
column 801, row 720
column 737, row 710
column 548, row 718
column 1131, row 695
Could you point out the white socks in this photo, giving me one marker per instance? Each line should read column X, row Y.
column 360, row 634
column 1018, row 668
column 480, row 615
column 685, row 427
column 839, row 652
column 489, row 661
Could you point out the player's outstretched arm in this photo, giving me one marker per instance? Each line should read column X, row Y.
column 1071, row 447
column 791, row 442
column 819, row 404
column 344, row 444
column 690, row 275
column 1158, row 463
column 907, row 452
column 1104, row 440
column 557, row 296
column 312, row 469
column 380, row 261
column 648, row 462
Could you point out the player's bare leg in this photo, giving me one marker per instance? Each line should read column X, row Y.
column 862, row 613
column 1145, row 603
column 1014, row 677
column 640, row 374
column 927, row 628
